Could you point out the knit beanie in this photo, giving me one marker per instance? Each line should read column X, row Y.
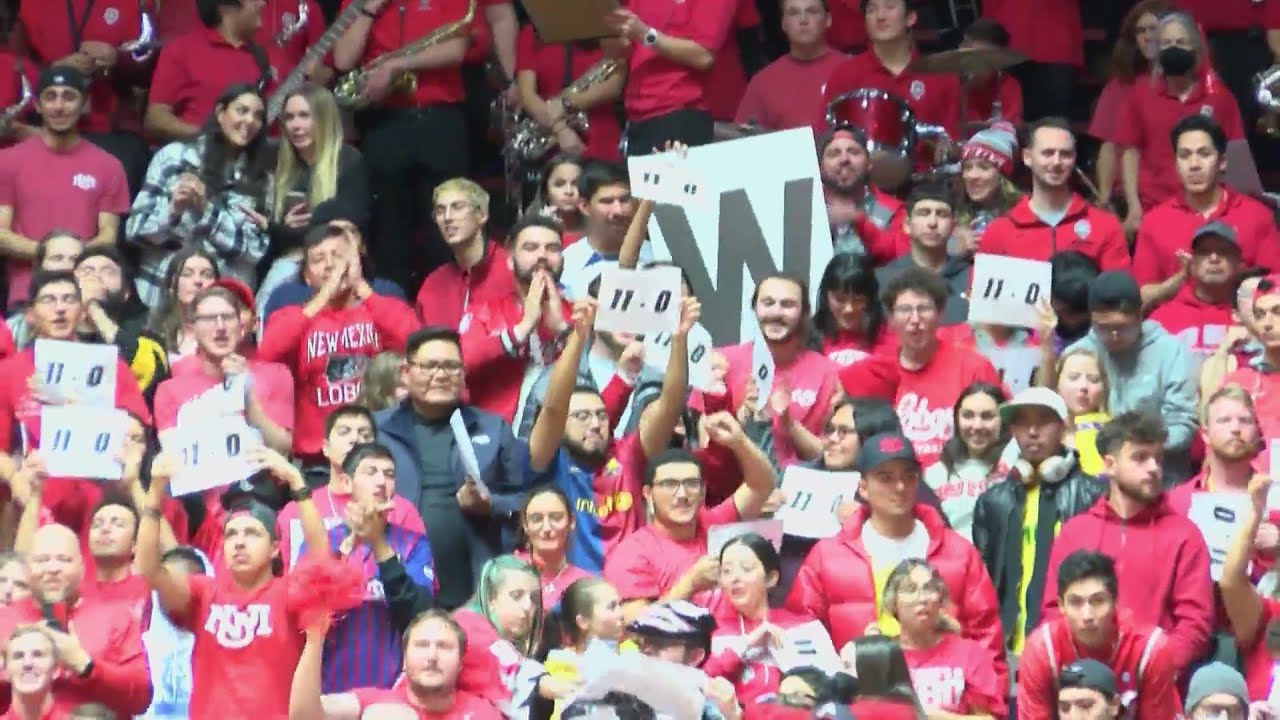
column 1213, row 679
column 996, row 144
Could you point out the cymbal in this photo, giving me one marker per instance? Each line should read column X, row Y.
column 968, row 61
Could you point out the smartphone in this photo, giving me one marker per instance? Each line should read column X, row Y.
column 293, row 199
column 55, row 614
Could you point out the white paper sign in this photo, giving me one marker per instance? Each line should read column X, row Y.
column 212, row 455
column 82, row 441
column 85, row 372
column 657, row 351
column 812, row 498
column 762, row 370
column 1218, row 516
column 225, row 399
column 672, row 690
column 639, row 301
column 669, row 179
column 1006, row 289
column 1017, row 365
column 719, row 535
column 466, row 450
column 807, row 645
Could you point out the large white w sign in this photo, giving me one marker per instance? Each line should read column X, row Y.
column 770, row 215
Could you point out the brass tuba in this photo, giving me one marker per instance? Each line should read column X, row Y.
column 351, row 85
column 529, row 142
column 12, row 112
column 294, row 26
column 1267, row 92
column 141, row 47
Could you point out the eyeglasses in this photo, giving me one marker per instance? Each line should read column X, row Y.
column 1229, row 711
column 555, row 519
column 584, row 416
column 448, row 367
column 691, row 486
column 928, row 591
column 216, row 319
column 840, row 431
column 906, row 311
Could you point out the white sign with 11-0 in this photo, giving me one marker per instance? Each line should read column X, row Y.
column 812, row 497
column 639, row 301
column 82, row 441
column 210, row 457
column 82, row 372
column 1005, row 290
column 657, row 351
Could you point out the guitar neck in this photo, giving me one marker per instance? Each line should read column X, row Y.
column 313, row 53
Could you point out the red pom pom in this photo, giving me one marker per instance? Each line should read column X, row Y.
column 320, row 588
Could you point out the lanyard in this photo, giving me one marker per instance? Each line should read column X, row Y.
column 77, row 29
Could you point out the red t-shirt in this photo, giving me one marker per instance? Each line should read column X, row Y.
column 848, row 29
column 1048, row 31
column 933, row 98
column 191, row 394
column 787, row 93
column 132, row 594
column 983, row 96
column 280, row 14
column 547, row 62
column 114, row 22
column 1169, row 226
column 845, row 349
column 1149, row 117
column 404, row 22
column 955, row 676
column 657, row 86
column 57, row 191
column 246, row 648
column 726, row 80
column 465, row 705
column 194, row 69
column 647, row 563
column 327, row 355
column 1228, row 15
column 58, row 710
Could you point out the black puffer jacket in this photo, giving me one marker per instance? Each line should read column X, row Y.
column 997, row 533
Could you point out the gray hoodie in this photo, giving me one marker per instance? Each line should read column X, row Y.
column 1156, row 375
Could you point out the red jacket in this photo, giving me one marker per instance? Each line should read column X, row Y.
column 449, row 290
column 881, row 227
column 835, row 584
column 1141, row 660
column 1174, row 593
column 495, row 364
column 753, row 680
column 120, row 678
column 1097, row 233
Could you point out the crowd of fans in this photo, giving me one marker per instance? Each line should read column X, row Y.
column 460, row 498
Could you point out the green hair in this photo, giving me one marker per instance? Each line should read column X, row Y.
column 492, row 575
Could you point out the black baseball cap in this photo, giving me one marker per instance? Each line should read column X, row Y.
column 1215, row 229
column 1114, row 289
column 880, row 449
column 61, row 76
column 1089, row 675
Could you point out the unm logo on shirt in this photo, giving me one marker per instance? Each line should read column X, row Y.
column 84, row 181
column 846, row 357
column 235, row 628
column 919, row 423
column 938, row 687
column 804, row 398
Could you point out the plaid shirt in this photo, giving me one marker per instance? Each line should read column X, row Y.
column 222, row 229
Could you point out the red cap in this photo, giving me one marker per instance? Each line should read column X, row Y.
column 242, row 292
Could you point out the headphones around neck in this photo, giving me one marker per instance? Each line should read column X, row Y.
column 1051, row 471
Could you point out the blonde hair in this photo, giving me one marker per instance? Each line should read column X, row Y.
column 1228, row 392
column 381, row 378
column 477, row 195
column 326, row 133
column 1102, row 373
column 28, row 629
column 893, row 585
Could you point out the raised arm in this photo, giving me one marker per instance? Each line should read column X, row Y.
column 305, row 700
column 313, row 532
column 544, row 439
column 1240, row 599
column 656, row 427
column 758, row 476
column 173, row 590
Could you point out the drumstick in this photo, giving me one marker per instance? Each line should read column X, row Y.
column 1088, row 183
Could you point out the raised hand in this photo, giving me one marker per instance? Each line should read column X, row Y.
column 690, row 314
column 631, row 362
column 724, row 429
column 584, row 317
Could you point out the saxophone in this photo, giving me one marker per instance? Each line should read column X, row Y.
column 141, row 48
column 12, row 112
column 298, row 75
column 1267, row 92
column 294, row 26
column 351, row 86
column 530, row 142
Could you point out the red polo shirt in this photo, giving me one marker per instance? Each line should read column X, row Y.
column 1227, row 15
column 49, row 38
column 1149, row 117
column 727, row 81
column 848, row 30
column 983, row 95
column 1046, row 31
column 1021, row 233
column 933, row 98
column 276, row 16
column 1168, row 227
column 657, row 86
column 449, row 290
column 1271, row 16
column 195, row 68
column 547, row 63
column 787, row 93
column 403, row 22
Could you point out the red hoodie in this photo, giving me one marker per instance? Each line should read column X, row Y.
column 755, row 678
column 328, row 354
column 1168, row 227
column 495, row 364
column 835, row 585
column 1141, row 659
column 449, row 291
column 1199, row 324
column 1163, row 566
column 1021, row 233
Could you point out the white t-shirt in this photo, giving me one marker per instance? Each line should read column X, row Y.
column 889, row 552
column 582, row 264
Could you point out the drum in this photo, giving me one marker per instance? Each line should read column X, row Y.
column 892, row 134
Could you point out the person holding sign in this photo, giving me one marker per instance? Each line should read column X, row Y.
column 605, row 198
column 1094, row 627
column 804, row 383
column 1052, row 217
column 667, row 559
column 509, row 342
column 1133, row 523
column 246, row 640
column 98, row 642
column 924, row 378
column 327, row 342
column 54, row 314
column 948, row 670
column 748, row 631
column 841, row 581
column 572, row 446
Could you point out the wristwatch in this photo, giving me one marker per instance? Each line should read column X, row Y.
column 302, row 493
column 651, row 37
